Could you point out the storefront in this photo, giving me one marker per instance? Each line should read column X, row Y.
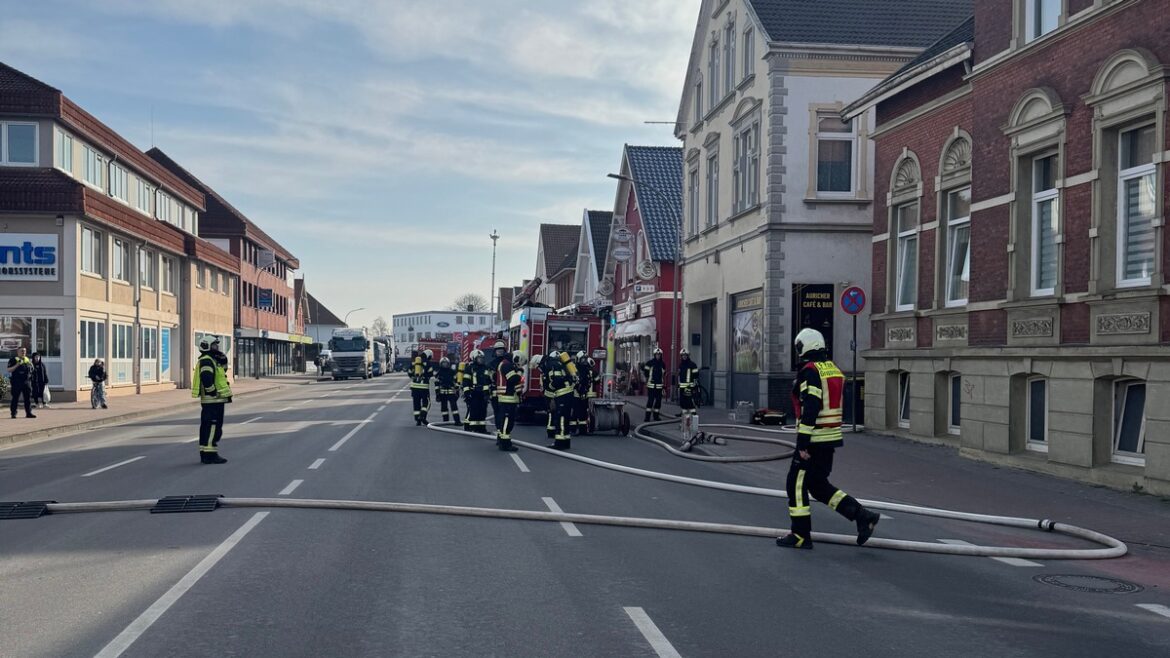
column 747, row 346
column 269, row 353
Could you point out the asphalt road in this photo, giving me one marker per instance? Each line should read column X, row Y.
column 287, row 582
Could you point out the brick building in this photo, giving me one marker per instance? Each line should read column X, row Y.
column 1019, row 248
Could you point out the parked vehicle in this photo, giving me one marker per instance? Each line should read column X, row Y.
column 381, row 358
column 353, row 353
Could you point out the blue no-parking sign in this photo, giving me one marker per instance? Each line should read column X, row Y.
column 853, row 300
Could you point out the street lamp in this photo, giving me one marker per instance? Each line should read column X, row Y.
column 492, row 293
column 345, row 321
column 675, row 336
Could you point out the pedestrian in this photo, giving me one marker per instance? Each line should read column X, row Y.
column 562, row 382
column 818, row 396
column 40, row 382
column 210, row 384
column 581, row 389
column 509, row 384
column 20, row 376
column 97, row 378
column 447, row 390
column 477, row 392
column 655, row 370
column 420, row 386
column 688, row 381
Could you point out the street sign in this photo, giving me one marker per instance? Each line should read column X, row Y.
column 623, row 254
column 853, row 300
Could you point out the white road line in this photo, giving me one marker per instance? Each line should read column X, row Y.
column 1014, row 561
column 305, row 402
column 144, row 621
column 353, row 431
column 317, row 464
column 519, row 463
column 284, row 410
column 649, row 629
column 381, row 407
column 1156, row 609
column 292, row 486
column 251, row 420
column 113, row 466
column 570, row 529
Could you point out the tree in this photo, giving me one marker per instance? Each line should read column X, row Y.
column 380, row 327
column 476, row 303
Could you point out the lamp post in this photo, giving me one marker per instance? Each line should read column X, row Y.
column 675, row 336
column 492, row 293
column 345, row 321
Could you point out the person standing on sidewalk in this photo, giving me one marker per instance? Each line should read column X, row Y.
column 818, row 396
column 20, row 374
column 40, row 381
column 655, row 370
column 211, row 386
column 97, row 377
column 688, row 381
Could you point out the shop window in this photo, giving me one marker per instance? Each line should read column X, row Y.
column 92, row 346
column 1129, row 421
column 1037, row 416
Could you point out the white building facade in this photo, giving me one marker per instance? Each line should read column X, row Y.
column 409, row 328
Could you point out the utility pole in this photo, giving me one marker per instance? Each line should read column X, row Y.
column 492, row 293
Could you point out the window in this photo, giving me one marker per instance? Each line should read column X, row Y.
column 63, row 152
column 728, row 58
column 123, row 265
column 1045, row 218
column 746, row 168
column 118, row 183
column 749, row 52
column 713, row 76
column 954, row 421
column 1129, row 421
column 698, row 101
column 1137, row 206
column 147, row 273
column 1040, row 18
column 903, row 399
column 214, row 276
column 834, row 139
column 19, row 144
column 145, row 194
column 693, row 199
column 906, row 274
column 168, row 274
column 483, row 320
column 713, row 189
column 958, row 272
column 91, row 251
column 199, row 278
column 149, row 355
column 163, row 207
column 1037, row 420
column 121, row 353
column 93, row 346
column 95, row 169
column 459, row 319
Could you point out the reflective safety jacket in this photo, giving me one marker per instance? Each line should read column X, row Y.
column 509, row 381
column 446, row 381
column 585, row 381
column 560, row 380
column 210, row 377
column 688, row 375
column 818, row 396
column 655, row 370
column 421, row 374
column 477, row 381
column 546, row 367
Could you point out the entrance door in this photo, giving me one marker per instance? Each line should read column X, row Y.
column 707, row 351
column 747, row 347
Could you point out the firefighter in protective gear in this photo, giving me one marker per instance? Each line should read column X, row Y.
column 688, row 383
column 547, row 365
column 477, row 392
column 581, row 395
column 447, row 389
column 562, row 382
column 499, row 353
column 818, row 398
column 421, row 374
column 509, row 385
column 211, row 387
column 655, row 370
column 461, row 381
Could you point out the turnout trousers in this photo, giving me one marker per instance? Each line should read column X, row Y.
column 449, row 403
column 812, row 478
column 562, row 416
column 210, row 427
column 505, row 419
column 477, row 406
column 421, row 398
column 653, row 402
column 580, row 414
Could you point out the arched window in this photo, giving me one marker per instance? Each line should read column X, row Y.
column 955, row 220
column 905, row 208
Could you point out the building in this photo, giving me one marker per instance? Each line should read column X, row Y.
column 779, row 189
column 270, row 324
column 591, row 252
column 641, row 252
column 504, row 304
column 1020, row 247
column 556, row 263
column 409, row 328
column 320, row 321
column 99, row 256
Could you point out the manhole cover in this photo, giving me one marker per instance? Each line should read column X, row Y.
column 1091, row 584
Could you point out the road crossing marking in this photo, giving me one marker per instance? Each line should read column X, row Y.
column 113, row 466
column 1014, row 561
column 353, row 431
column 570, row 529
column 1155, row 608
column 292, row 486
column 119, row 644
column 649, row 630
column 519, row 463
column 251, row 420
column 317, row 464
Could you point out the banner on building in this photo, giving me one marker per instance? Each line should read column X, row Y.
column 265, row 258
column 747, row 343
column 28, row 257
column 265, row 298
column 814, row 305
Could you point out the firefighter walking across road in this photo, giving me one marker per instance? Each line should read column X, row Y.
column 509, row 377
column 655, row 371
column 421, row 373
column 818, row 397
column 210, row 385
column 447, row 390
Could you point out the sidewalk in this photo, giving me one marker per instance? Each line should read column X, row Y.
column 69, row 417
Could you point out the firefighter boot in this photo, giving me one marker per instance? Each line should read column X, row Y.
column 211, row 458
column 506, row 445
column 457, row 420
column 793, row 540
column 866, row 522
column 648, row 414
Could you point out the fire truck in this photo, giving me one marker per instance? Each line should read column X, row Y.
column 535, row 330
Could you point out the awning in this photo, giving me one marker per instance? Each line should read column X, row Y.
column 635, row 329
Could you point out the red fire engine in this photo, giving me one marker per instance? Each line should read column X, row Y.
column 538, row 330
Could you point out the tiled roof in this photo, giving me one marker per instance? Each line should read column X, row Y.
column 661, row 207
column 964, row 33
column 599, row 223
column 24, row 189
column 902, row 23
column 21, row 93
column 560, row 242
column 319, row 314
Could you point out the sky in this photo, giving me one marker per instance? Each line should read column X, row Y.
column 380, row 141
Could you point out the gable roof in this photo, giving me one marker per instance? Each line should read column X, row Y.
column 319, row 314
column 964, row 33
column 599, row 223
column 898, row 23
column 660, row 168
column 559, row 242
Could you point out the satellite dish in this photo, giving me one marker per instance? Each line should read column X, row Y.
column 646, row 270
column 606, row 287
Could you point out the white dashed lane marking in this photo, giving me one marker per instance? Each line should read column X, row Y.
column 317, row 464
column 112, row 467
column 569, row 528
column 292, row 486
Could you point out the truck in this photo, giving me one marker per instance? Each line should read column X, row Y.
column 535, row 330
column 353, row 353
column 381, row 357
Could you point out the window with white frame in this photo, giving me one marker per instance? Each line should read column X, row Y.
column 712, row 189
column 163, row 207
column 94, row 171
column 958, row 257
column 1045, row 220
column 693, row 199
column 746, row 174
column 18, row 143
column 92, row 335
column 1137, row 206
column 713, row 76
column 698, row 102
column 1036, row 422
column 1129, row 421
column 199, row 276
column 148, row 360
column 214, row 276
column 91, row 251
column 729, row 60
column 836, row 150
column 167, row 274
column 145, row 193
column 955, row 416
column 903, row 399
column 121, row 353
column 749, row 52
column 147, row 274
column 118, row 183
column 906, row 258
column 1040, row 18
column 63, row 151
column 123, row 264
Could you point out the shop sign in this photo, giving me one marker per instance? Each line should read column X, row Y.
column 623, row 315
column 621, row 234
column 815, row 306
column 646, row 310
column 442, row 324
column 643, row 288
column 749, row 300
column 28, row 257
column 623, row 254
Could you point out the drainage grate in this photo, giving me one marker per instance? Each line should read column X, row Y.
column 176, row 504
column 29, row 509
column 1090, row 584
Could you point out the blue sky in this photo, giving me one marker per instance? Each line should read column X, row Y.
column 379, row 140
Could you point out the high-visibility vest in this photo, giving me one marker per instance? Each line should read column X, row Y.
column 832, row 395
column 508, row 382
column 223, row 388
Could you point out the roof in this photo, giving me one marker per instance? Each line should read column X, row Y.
column 660, row 170
column 560, row 243
column 964, row 33
column 599, row 223
column 319, row 314
column 899, row 23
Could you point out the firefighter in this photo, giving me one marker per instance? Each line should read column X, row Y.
column 581, row 391
column 447, row 389
column 547, row 365
column 461, row 385
column 477, row 391
column 688, row 382
column 655, row 370
column 212, row 388
column 818, row 397
column 421, row 374
column 499, row 353
column 509, row 385
column 562, row 382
